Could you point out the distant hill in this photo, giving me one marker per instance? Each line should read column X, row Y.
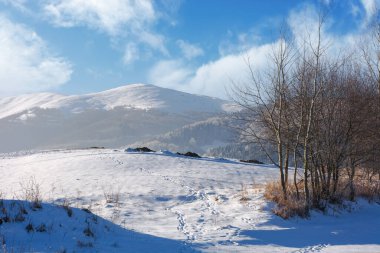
column 123, row 116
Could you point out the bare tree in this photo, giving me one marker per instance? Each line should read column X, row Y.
column 316, row 112
column 266, row 103
column 370, row 48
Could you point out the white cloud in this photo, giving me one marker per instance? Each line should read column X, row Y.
column 129, row 19
column 170, row 74
column 25, row 63
column 304, row 25
column 370, row 7
column 213, row 78
column 110, row 16
column 18, row 4
column 131, row 53
column 156, row 41
column 190, row 51
column 216, row 77
column 355, row 10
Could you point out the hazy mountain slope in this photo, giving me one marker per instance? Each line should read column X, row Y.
column 196, row 137
column 112, row 118
column 243, row 151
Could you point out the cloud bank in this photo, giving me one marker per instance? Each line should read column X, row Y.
column 26, row 62
column 215, row 77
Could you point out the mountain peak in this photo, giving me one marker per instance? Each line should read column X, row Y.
column 131, row 96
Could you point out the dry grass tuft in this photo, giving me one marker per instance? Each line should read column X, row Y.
column 285, row 208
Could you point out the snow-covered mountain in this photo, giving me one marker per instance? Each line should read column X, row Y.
column 112, row 118
column 133, row 96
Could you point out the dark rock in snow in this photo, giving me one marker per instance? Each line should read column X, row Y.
column 190, row 154
column 251, row 161
column 143, row 149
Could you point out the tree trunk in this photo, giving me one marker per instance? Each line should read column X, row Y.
column 295, row 174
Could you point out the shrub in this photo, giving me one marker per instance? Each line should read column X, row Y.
column 87, row 232
column 112, row 195
column 19, row 217
column 29, row 228
column 65, row 205
column 31, row 192
column 244, row 194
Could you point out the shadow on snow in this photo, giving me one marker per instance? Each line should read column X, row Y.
column 79, row 231
column 354, row 228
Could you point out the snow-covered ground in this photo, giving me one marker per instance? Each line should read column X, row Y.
column 161, row 202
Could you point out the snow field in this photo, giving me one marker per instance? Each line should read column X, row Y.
column 176, row 204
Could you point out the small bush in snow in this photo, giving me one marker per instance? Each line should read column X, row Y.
column 112, row 195
column 82, row 244
column 65, row 205
column 5, row 217
column 244, row 194
column 86, row 210
column 22, row 209
column 19, row 217
column 88, row 232
column 29, row 228
column 69, row 211
column 31, row 192
column 41, row 228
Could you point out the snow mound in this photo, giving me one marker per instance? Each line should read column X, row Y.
column 60, row 228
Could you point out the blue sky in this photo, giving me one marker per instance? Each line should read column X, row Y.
column 83, row 46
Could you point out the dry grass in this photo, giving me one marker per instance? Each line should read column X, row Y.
column 365, row 187
column 244, row 193
column 31, row 191
column 285, row 208
column 112, row 194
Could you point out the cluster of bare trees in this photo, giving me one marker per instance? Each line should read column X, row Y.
column 319, row 111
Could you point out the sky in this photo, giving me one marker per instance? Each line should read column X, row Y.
column 201, row 47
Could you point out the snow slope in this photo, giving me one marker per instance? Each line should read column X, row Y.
column 175, row 204
column 70, row 229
